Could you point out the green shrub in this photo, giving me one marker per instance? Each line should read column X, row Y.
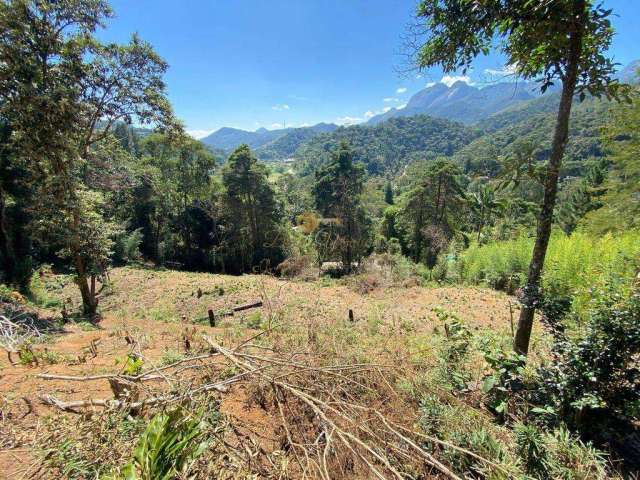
column 557, row 455
column 505, row 380
column 126, row 248
column 455, row 349
column 595, row 377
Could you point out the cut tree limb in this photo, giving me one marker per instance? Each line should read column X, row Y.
column 240, row 308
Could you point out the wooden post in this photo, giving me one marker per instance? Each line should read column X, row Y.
column 351, row 318
column 212, row 319
column 511, row 320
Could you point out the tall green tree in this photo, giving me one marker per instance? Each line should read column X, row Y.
column 338, row 190
column 254, row 235
column 548, row 40
column 178, row 172
column 431, row 211
column 62, row 92
column 388, row 193
column 16, row 197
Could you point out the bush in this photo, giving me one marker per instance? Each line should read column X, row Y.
column 557, row 455
column 127, row 247
column 455, row 349
column 505, row 380
column 572, row 266
column 595, row 377
column 297, row 266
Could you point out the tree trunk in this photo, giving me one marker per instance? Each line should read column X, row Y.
column 6, row 247
column 531, row 293
column 89, row 300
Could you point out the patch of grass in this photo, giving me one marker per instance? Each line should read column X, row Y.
column 171, row 356
column 87, row 326
column 45, row 289
column 161, row 314
column 253, row 320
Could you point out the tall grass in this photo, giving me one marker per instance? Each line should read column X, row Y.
column 572, row 266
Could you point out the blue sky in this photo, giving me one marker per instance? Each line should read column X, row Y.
column 258, row 63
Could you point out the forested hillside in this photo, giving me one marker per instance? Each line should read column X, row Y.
column 284, row 147
column 531, row 126
column 389, row 146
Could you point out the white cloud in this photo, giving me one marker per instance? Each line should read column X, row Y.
column 400, row 107
column 368, row 114
column 346, row 121
column 401, row 90
column 282, row 106
column 275, row 126
column 449, row 80
column 198, row 134
column 507, row 70
column 386, row 109
column 302, row 125
column 390, row 99
column 419, row 76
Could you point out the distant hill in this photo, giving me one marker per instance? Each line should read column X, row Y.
column 285, row 146
column 533, row 122
column 388, row 146
column 228, row 139
column 630, row 74
column 461, row 102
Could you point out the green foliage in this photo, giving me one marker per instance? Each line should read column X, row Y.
column 61, row 94
column 594, row 378
column 557, row 455
column 169, row 445
column 344, row 232
column 620, row 203
column 430, row 212
column 255, row 237
column 127, row 247
column 505, row 379
column 573, row 263
column 133, row 365
column 455, row 349
column 388, row 146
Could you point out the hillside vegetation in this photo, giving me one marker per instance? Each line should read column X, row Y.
column 415, row 299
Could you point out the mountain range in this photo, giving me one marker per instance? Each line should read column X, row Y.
column 228, row 138
column 489, row 107
column 462, row 102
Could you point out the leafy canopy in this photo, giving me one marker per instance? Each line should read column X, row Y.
column 531, row 33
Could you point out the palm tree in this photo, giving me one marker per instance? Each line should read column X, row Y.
column 484, row 205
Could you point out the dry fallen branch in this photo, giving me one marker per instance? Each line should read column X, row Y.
column 336, row 415
column 16, row 333
column 133, row 378
column 148, row 402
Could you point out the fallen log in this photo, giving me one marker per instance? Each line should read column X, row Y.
column 240, row 308
column 247, row 306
